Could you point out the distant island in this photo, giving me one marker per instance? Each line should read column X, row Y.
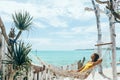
column 117, row 48
column 83, row 49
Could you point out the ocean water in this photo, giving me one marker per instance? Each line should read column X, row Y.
column 61, row 58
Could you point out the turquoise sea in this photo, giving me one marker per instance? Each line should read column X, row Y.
column 61, row 58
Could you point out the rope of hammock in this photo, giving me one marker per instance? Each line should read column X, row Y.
column 66, row 73
column 72, row 66
column 106, row 51
column 49, row 65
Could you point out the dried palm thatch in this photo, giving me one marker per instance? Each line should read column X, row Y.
column 12, row 33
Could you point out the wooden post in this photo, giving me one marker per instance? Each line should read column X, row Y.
column 2, row 67
column 99, row 49
column 1, row 51
column 113, row 36
column 37, row 75
column 113, row 47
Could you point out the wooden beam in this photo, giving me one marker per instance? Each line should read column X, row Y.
column 103, row 44
column 102, row 2
column 118, row 63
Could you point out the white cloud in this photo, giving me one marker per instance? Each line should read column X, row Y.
column 41, row 41
column 63, row 34
column 57, row 44
column 75, row 31
column 49, row 10
column 78, row 30
column 55, row 22
column 73, row 9
column 91, row 29
column 13, row 6
column 6, row 18
column 39, row 25
column 7, row 8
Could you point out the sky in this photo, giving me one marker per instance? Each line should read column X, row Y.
column 58, row 24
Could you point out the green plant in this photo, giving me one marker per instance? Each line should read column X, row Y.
column 18, row 58
column 22, row 21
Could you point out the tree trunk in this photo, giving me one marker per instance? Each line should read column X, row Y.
column 113, row 40
column 97, row 14
column 4, row 31
column 113, row 47
column 1, row 51
column 18, row 35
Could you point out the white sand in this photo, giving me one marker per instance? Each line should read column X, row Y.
column 97, row 76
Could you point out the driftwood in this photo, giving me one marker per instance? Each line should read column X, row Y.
column 102, row 2
column 38, row 68
column 2, row 27
column 0, row 40
column 111, row 8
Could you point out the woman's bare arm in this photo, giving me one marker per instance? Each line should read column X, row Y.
column 97, row 62
column 80, row 69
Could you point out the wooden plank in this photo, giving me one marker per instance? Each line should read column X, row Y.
column 118, row 63
column 103, row 44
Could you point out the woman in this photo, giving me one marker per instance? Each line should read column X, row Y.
column 94, row 61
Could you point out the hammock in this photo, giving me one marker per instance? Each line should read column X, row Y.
column 57, row 71
column 72, row 74
column 65, row 73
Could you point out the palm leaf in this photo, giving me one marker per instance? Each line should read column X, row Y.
column 22, row 21
column 19, row 56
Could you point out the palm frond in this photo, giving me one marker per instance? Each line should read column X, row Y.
column 18, row 56
column 22, row 21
